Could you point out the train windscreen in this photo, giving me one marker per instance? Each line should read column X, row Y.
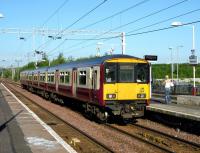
column 126, row 73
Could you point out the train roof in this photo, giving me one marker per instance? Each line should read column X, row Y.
column 83, row 63
column 89, row 62
column 42, row 69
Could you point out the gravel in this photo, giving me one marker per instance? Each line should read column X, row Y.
column 114, row 140
column 175, row 132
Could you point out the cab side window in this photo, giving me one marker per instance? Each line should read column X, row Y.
column 110, row 73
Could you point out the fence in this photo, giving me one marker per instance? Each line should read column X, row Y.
column 185, row 89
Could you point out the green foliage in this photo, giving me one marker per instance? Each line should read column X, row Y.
column 29, row 66
column 84, row 58
column 184, row 70
column 7, row 73
column 59, row 60
column 160, row 70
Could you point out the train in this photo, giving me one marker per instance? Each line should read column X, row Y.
column 111, row 85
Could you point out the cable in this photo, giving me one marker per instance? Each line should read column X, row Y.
column 120, row 12
column 82, row 17
column 145, row 32
column 144, row 17
column 86, row 14
column 181, row 15
column 55, row 12
column 161, row 29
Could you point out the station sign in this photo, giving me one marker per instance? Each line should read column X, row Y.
column 193, row 60
column 151, row 57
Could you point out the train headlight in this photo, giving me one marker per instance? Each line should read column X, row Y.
column 111, row 96
column 141, row 95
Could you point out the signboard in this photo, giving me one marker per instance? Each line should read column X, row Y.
column 193, row 60
column 151, row 57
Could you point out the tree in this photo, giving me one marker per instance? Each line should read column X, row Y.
column 59, row 60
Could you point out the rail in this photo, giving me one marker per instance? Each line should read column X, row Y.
column 160, row 140
column 91, row 139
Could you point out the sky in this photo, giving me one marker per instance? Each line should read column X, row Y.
column 73, row 21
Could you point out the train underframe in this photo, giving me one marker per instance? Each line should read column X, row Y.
column 125, row 110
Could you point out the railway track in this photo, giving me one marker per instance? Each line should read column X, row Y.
column 160, row 141
column 168, row 135
column 164, row 142
column 78, row 139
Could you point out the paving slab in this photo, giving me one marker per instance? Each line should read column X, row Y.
column 23, row 131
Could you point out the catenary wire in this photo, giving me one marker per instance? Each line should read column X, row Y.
column 116, row 14
column 80, row 18
column 150, row 31
column 54, row 13
column 134, row 21
column 181, row 15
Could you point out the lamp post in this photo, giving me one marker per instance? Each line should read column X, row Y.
column 193, row 59
column 193, row 53
column 172, row 66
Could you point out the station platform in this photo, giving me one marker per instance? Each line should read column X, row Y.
column 21, row 131
column 190, row 112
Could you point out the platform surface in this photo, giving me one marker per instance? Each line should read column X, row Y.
column 21, row 131
column 183, row 111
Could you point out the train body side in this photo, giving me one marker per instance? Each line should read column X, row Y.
column 87, row 82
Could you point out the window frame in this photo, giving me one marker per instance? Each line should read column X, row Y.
column 51, row 75
column 116, row 67
column 64, row 72
column 117, row 72
column 88, row 75
column 43, row 75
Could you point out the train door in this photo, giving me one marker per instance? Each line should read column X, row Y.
column 95, row 84
column 74, row 82
column 57, row 79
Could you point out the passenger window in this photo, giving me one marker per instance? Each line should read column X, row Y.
column 51, row 77
column 35, row 78
column 42, row 77
column 67, row 76
column 110, row 72
column 30, row 77
column 82, row 78
column 62, row 77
